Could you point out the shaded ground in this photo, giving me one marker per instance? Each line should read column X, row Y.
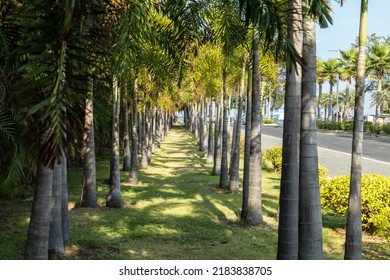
column 175, row 211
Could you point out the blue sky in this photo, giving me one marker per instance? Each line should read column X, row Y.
column 345, row 26
column 345, row 29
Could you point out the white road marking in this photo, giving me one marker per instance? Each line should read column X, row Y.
column 365, row 158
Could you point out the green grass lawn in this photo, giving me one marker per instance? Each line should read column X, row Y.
column 175, row 211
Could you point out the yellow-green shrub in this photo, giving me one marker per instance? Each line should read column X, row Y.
column 267, row 121
column 274, row 155
column 375, row 192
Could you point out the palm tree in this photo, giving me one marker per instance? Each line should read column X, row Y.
column 234, row 183
column 348, row 64
column 89, row 195
column 267, row 18
column 51, row 46
column 255, row 214
column 114, row 198
column 310, row 218
column 133, row 176
column 289, row 183
column 320, row 81
column 379, row 64
column 353, row 238
column 331, row 69
column 126, row 136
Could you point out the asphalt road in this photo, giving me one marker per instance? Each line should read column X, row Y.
column 334, row 151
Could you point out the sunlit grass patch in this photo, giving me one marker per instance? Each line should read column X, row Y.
column 174, row 211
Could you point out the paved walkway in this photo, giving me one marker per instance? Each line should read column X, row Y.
column 338, row 163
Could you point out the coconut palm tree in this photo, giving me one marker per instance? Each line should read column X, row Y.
column 353, row 238
column 331, row 71
column 348, row 64
column 289, row 183
column 320, row 82
column 310, row 218
column 379, row 64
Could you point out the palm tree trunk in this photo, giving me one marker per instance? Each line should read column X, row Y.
column 248, row 125
column 330, row 104
column 310, row 219
column 204, row 129
column 217, row 141
column 133, row 178
column 64, row 204
column 224, row 176
column 153, row 130
column 144, row 143
column 346, row 102
column 126, row 138
column 56, row 242
column 255, row 215
column 37, row 245
column 289, row 182
column 210, row 145
column 234, row 183
column 378, row 101
column 89, row 196
column 149, row 130
column 114, row 198
column 319, row 101
column 353, row 239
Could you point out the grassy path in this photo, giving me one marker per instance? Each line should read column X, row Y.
column 175, row 211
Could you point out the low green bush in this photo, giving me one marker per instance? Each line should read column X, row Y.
column 268, row 121
column 322, row 175
column 274, row 155
column 386, row 128
column 375, row 192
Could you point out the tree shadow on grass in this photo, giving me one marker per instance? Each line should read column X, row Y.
column 172, row 215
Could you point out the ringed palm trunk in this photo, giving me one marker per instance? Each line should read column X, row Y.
column 289, row 182
column 255, row 215
column 144, row 144
column 347, row 97
column 234, row 183
column 353, row 238
column 217, row 141
column 248, row 125
column 378, row 101
column 204, row 129
column 126, row 136
column 133, row 178
column 64, row 204
column 114, row 198
column 210, row 145
column 330, row 103
column 319, row 101
column 310, row 219
column 56, row 242
column 89, row 196
column 37, row 245
column 224, row 176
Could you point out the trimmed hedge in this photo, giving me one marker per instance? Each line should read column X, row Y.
column 375, row 192
column 369, row 127
column 267, row 121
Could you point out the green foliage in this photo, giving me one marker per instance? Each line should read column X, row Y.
column 268, row 121
column 375, row 191
column 274, row 155
column 369, row 127
column 386, row 128
column 323, row 175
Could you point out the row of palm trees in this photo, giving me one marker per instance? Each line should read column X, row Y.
column 345, row 67
column 81, row 76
